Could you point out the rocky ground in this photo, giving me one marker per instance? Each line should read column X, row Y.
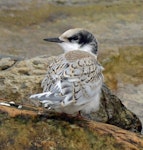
column 27, row 130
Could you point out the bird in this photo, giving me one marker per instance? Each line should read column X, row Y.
column 73, row 81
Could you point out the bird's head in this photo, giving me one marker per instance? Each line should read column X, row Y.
column 76, row 39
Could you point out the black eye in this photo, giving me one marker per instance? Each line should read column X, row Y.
column 74, row 38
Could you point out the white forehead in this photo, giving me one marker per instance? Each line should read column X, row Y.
column 70, row 33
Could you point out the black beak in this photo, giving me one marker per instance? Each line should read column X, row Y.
column 56, row 40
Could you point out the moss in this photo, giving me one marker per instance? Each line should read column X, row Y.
column 16, row 134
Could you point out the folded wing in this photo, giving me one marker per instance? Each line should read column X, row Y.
column 72, row 80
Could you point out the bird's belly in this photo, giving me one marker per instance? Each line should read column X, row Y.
column 89, row 105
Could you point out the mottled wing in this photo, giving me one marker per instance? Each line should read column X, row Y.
column 72, row 79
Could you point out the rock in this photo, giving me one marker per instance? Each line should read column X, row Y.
column 5, row 63
column 21, row 80
column 24, row 129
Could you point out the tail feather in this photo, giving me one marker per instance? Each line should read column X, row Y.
column 48, row 99
column 40, row 96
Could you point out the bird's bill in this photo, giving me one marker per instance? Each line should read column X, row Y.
column 56, row 40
